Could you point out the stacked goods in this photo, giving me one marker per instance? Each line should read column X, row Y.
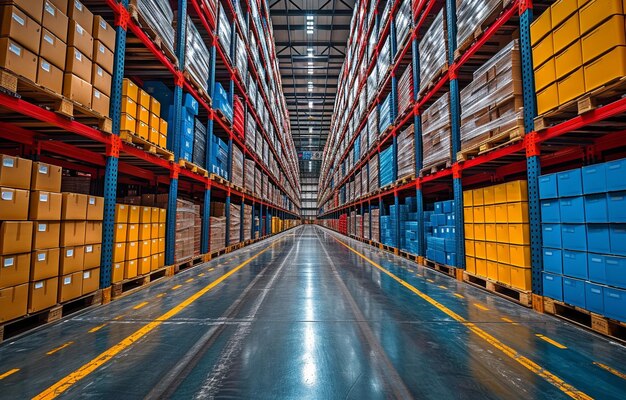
column 67, row 51
column 366, row 225
column 219, row 157
column 76, row 184
column 408, row 227
column 364, row 181
column 159, row 16
column 583, row 214
column 241, row 59
column 185, row 230
column 250, row 132
column 199, row 143
column 343, row 224
column 389, row 224
column 218, row 226
column 224, row 31
column 188, row 113
column 235, row 224
column 357, row 185
column 493, row 102
column 247, row 222
column 386, row 114
column 497, row 234
column 257, row 182
column 141, row 115
column 197, row 236
column 577, row 50
column 138, row 241
column 375, row 224
column 373, row 173
column 221, row 102
column 433, row 52
column 441, row 234
column 470, row 15
column 238, row 122
column 403, row 22
column 405, row 90
column 372, row 85
column 436, row 133
column 406, row 153
column 387, row 161
column 384, row 59
column 237, row 167
column 249, row 175
column 196, row 61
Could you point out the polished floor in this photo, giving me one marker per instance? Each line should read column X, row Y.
column 310, row 314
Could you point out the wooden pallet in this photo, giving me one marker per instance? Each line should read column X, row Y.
column 444, row 269
column 435, row 79
column 221, row 116
column 203, row 93
column 191, row 262
column 217, row 178
column 491, row 141
column 149, row 147
column 585, row 318
column 20, row 87
column 522, row 297
column 434, row 168
column 193, row 167
column 133, row 284
column 136, row 15
column 490, row 19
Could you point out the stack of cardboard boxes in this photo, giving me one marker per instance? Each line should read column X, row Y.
column 60, row 45
column 50, row 242
column 139, row 241
column 141, row 115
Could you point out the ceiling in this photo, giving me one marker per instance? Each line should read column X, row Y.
column 310, row 77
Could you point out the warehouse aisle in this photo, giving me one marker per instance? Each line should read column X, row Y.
column 310, row 314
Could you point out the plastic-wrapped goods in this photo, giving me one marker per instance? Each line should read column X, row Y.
column 492, row 103
column 197, row 231
column 366, row 225
column 247, row 222
column 257, row 182
column 221, row 102
column 433, row 52
column 385, row 168
column 403, row 22
column 235, row 224
column 375, row 224
column 373, row 171
column 385, row 15
column 196, row 57
column 384, row 60
column 406, row 152
column 224, row 31
column 405, row 89
column 364, row 181
column 372, row 126
column 159, row 16
column 239, row 6
column 357, row 186
column 385, row 117
column 237, row 167
column 219, row 157
column 185, row 230
column 372, row 84
column 250, row 132
column 238, row 113
column 471, row 14
column 249, row 175
column 199, row 144
column 436, row 133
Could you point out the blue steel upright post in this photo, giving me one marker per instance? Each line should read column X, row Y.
column 394, row 115
column 419, row 147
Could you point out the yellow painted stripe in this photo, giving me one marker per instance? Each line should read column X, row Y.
column 510, row 321
column 97, row 328
column 140, row 305
column 552, row 342
column 189, row 280
column 51, row 352
column 480, row 306
column 119, row 317
column 161, row 295
column 603, row 366
column 430, row 280
column 211, row 269
column 460, row 296
column 68, row 381
column 201, row 275
column 9, row 373
column 177, row 287
column 442, row 287
column 565, row 387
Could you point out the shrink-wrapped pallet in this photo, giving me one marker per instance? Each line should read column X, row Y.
column 375, row 224
column 470, row 15
column 197, row 232
column 185, row 230
column 159, row 16
column 249, row 175
column 385, row 166
column 366, row 225
column 433, row 52
column 372, row 126
column 237, row 166
column 364, row 181
column 257, row 182
column 403, row 22
column 247, row 222
column 235, row 224
column 373, row 171
column 224, row 30
column 199, row 144
column 357, row 185
column 385, row 118
column 218, row 225
column 384, row 60
column 405, row 89
column 196, row 60
column 406, row 152
column 436, row 133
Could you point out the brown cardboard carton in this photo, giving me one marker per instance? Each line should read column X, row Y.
column 31, row 7
column 20, row 27
column 103, row 56
column 76, row 63
column 119, row 252
column 45, row 206
column 74, row 206
column 145, row 230
column 15, row 172
column 13, row 204
column 71, row 259
column 44, row 264
column 100, row 103
column 16, row 58
column 55, row 21
column 95, row 208
column 13, row 302
column 121, row 213
column 93, row 232
column 15, row 237
column 133, row 214
column 130, row 269
column 132, row 250
column 61, row 5
column 119, row 233
column 104, row 32
column 101, row 80
column 78, row 37
column 154, row 262
column 72, row 233
column 144, row 249
column 145, row 265
column 43, row 294
column 93, row 252
column 46, row 177
column 118, row 272
column 14, row 269
column 70, row 286
column 79, row 13
column 49, row 76
column 132, row 233
column 77, row 89
column 46, row 235
column 91, row 281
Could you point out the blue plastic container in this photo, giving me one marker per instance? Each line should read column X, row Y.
column 448, row 206
column 551, row 234
column 617, row 207
column 615, row 303
column 572, row 210
column 553, row 260
column 550, row 211
column 553, row 286
column 596, row 266
column 617, row 234
column 548, row 187
column 594, row 297
column 574, row 292
column 598, row 238
column 616, row 175
column 596, row 208
column 594, row 178
column 574, row 237
column 616, row 271
column 575, row 264
column 570, row 183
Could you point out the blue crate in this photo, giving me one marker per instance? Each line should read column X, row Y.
column 574, row 292
column 551, row 234
column 596, row 208
column 190, row 103
column 450, row 246
column 553, row 286
column 617, row 234
column 449, row 219
column 439, row 207
column 594, row 178
column 548, row 187
column 451, row 259
column 550, row 211
column 430, row 254
column 596, row 266
column 594, row 297
column 440, row 256
column 616, row 175
column 615, row 303
column 574, row 236
column 575, row 264
column 441, row 219
column 572, row 210
column 598, row 238
column 617, row 207
column 570, row 183
column 448, row 206
column 553, row 260
column 616, row 271
column 449, row 232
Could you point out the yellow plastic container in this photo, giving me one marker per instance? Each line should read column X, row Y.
column 610, row 34
column 545, row 75
column 480, row 250
column 572, row 86
column 504, row 256
column 470, row 265
column 481, row 267
column 566, row 33
column 489, row 195
column 596, row 11
column 501, row 213
column 468, row 200
column 504, row 274
column 490, row 233
column 543, row 51
column 492, row 270
column 569, row 60
column 603, row 70
column 517, row 191
column 491, row 248
column 490, row 214
column 479, row 214
column 547, row 99
column 468, row 214
column 519, row 256
column 478, row 197
column 479, row 232
column 499, row 193
column 469, row 231
column 561, row 10
column 469, row 248
column 128, row 123
column 502, row 233
column 519, row 234
column 521, row 278
column 540, row 27
column 518, row 212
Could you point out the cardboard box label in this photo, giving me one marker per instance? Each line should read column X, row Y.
column 78, row 5
column 42, row 227
column 96, row 93
column 87, row 275
column 78, row 55
column 69, row 253
column 92, row 201
column 43, row 197
column 67, row 280
column 8, row 262
column 88, row 249
column 43, row 169
column 15, row 49
column 50, row 9
column 8, row 196
column 38, row 285
column 8, row 162
column 48, row 39
column 45, row 65
column 41, row 256
column 19, row 19
column 103, row 24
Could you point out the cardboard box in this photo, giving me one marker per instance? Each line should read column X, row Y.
column 130, row 269
column 46, row 177
column 93, row 253
column 44, row 264
column 95, row 208
column 572, row 86
column 521, row 278
column 153, row 136
column 154, row 246
column 72, row 233
column 55, row 21
column 547, row 99
column 14, row 23
column 145, row 249
column 45, row 206
column 13, row 302
column 15, row 172
column 101, row 80
column 42, row 294
column 14, row 269
column 161, row 244
column 104, row 32
column 79, row 13
column 132, row 234
column 71, row 259
column 74, row 206
column 91, row 281
column 161, row 259
column 103, row 56
column 118, row 272
column 133, row 214
column 143, row 99
column 119, row 252
column 132, row 250
column 119, row 233
column 61, row 5
column 93, row 232
column 130, row 90
column 121, row 213
column 163, row 127
column 128, row 123
column 46, row 235
column 77, row 89
column 49, row 76
column 16, row 58
column 70, row 286
column 163, row 141
column 100, row 103
column 609, row 34
column 13, row 204
column 143, row 115
column 144, row 265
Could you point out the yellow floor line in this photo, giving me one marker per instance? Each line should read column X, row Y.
column 97, row 328
column 510, row 321
column 161, row 295
column 9, row 373
column 430, row 280
column 460, row 296
column 603, row 366
column 480, row 306
column 442, row 287
column 140, row 305
column 189, row 280
column 119, row 317
column 51, row 352
column 201, row 275
column 565, row 387
column 211, row 269
column 68, row 381
column 552, row 342
column 177, row 287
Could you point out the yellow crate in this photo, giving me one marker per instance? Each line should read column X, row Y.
column 520, row 256
column 517, row 212
column 610, row 34
column 519, row 234
column 491, row 248
column 143, row 115
column 488, row 195
column 504, row 273
column 568, row 60
column 492, row 270
column 468, row 200
column 128, row 123
column 545, row 75
column 521, row 278
column 162, row 141
column 540, row 27
column 502, row 233
column 501, row 213
column 129, row 89
column 480, row 250
column 470, row 265
column 547, row 99
column 490, row 233
column 517, row 191
column 481, row 267
column 469, row 248
column 119, row 233
column 469, row 231
column 142, row 130
column 572, row 86
column 490, row 214
column 561, row 10
column 129, row 106
column 478, row 199
column 504, row 255
column 606, row 68
column 479, row 232
column 468, row 214
column 479, row 214
column 499, row 193
column 163, row 127
column 543, row 51
column 596, row 11
column 566, row 33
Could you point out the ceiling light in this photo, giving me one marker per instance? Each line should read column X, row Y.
column 309, row 17
column 310, row 90
column 310, row 104
column 310, row 23
column 309, row 31
column 310, row 49
column 310, row 82
column 310, row 62
column 311, row 131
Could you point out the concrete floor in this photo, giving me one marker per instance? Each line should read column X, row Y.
column 310, row 318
